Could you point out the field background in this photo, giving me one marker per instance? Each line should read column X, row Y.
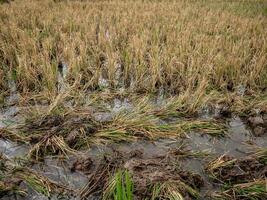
column 133, row 99
column 141, row 46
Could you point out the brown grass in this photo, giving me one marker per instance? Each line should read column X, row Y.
column 138, row 45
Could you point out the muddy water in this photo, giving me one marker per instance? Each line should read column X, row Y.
column 8, row 116
column 12, row 150
column 239, row 141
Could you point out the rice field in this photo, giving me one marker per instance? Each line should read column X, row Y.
column 133, row 100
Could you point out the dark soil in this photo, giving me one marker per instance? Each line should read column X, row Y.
column 240, row 170
column 146, row 173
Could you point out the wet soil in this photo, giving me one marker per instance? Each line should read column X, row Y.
column 150, row 162
column 147, row 170
column 240, row 170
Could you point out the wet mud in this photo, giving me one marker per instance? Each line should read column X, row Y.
column 181, row 162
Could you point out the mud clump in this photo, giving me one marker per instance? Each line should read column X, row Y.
column 225, row 111
column 231, row 170
column 71, row 138
column 146, row 174
column 255, row 121
column 45, row 123
column 242, row 179
column 54, row 134
column 99, row 173
column 259, row 131
column 150, row 172
column 258, row 125
column 195, row 180
column 82, row 165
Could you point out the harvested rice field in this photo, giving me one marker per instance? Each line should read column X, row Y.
column 133, row 99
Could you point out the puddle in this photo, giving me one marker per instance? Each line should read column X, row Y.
column 102, row 82
column 119, row 105
column 241, row 89
column 14, row 95
column 12, row 150
column 102, row 116
column 149, row 149
column 118, row 75
column 10, row 116
column 62, row 73
column 238, row 142
column 61, row 173
column 115, row 106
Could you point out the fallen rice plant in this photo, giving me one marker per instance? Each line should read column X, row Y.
column 173, row 191
column 67, row 131
column 243, row 178
column 255, row 190
column 12, row 175
column 250, row 166
column 144, row 178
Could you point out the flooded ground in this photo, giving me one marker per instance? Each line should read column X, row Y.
column 194, row 151
column 189, row 153
column 109, row 99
